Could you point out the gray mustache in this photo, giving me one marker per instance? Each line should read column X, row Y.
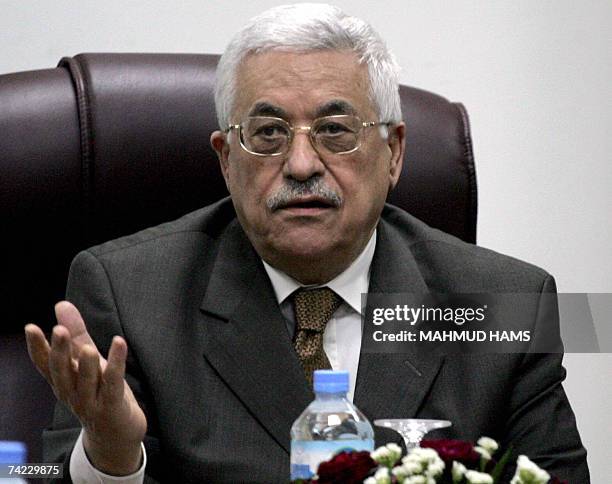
column 294, row 189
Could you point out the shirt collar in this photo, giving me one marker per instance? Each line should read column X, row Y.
column 349, row 284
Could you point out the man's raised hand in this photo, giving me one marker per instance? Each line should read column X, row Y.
column 93, row 387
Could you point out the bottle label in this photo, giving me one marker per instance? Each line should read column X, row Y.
column 306, row 455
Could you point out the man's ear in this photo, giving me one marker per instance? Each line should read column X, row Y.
column 219, row 143
column 397, row 145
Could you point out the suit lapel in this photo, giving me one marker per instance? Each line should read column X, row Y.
column 247, row 340
column 394, row 385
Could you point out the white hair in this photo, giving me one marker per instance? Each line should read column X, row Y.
column 309, row 27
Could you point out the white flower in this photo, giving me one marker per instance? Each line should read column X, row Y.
column 411, row 458
column 387, row 455
column 474, row 477
column 396, row 451
column 435, row 468
column 458, row 471
column 416, row 480
column 527, row 472
column 380, row 454
column 381, row 451
column 413, row 467
column 423, row 455
column 401, row 473
column 370, row 480
column 382, row 476
column 489, row 444
column 484, row 453
column 426, row 461
column 382, row 472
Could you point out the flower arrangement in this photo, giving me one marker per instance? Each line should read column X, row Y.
column 435, row 462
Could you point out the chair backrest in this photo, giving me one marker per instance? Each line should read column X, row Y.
column 107, row 144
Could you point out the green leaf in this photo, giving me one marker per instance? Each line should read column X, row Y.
column 500, row 466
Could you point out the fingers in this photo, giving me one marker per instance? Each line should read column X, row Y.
column 38, row 349
column 61, row 366
column 113, row 379
column 72, row 365
column 87, row 381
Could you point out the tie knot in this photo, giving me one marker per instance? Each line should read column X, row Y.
column 314, row 307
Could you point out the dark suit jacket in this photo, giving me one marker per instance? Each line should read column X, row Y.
column 213, row 366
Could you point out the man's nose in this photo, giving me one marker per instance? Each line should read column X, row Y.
column 303, row 161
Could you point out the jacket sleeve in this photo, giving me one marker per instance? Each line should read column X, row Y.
column 541, row 424
column 90, row 290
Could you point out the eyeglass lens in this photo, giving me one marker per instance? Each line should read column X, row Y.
column 271, row 136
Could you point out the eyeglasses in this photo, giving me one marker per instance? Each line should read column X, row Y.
column 268, row 136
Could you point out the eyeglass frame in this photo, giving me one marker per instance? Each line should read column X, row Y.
column 293, row 129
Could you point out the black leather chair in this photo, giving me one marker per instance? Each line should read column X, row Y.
column 107, row 144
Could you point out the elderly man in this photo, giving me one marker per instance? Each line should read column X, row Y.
column 310, row 143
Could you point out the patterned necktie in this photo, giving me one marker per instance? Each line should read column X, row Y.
column 313, row 308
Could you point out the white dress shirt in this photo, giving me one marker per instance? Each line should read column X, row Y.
column 341, row 343
column 82, row 472
column 342, row 336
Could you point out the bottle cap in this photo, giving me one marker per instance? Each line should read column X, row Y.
column 331, row 381
column 12, row 452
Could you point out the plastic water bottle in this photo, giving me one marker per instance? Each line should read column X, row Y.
column 12, row 453
column 329, row 425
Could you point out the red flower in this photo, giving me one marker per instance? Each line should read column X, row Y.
column 346, row 468
column 556, row 480
column 450, row 450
